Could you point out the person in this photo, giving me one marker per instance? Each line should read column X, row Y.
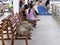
column 24, row 14
column 2, row 13
column 33, row 11
column 21, row 3
column 47, row 2
column 36, row 9
column 11, row 5
column 40, row 2
column 30, row 14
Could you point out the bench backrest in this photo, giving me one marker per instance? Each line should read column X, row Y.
column 14, row 21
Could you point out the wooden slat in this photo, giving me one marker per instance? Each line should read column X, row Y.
column 16, row 38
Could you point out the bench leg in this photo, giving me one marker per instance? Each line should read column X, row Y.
column 16, row 35
column 2, row 38
column 26, row 40
column 7, row 34
column 12, row 43
column 12, row 40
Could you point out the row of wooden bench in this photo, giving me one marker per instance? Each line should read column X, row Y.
column 8, row 28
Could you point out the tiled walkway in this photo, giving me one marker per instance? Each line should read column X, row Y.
column 47, row 32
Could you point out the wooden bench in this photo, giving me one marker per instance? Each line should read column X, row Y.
column 3, row 26
column 12, row 23
column 1, row 34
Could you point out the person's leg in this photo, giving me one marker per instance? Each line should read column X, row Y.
column 34, row 23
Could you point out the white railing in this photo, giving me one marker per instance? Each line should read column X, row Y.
column 53, row 3
column 56, row 11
